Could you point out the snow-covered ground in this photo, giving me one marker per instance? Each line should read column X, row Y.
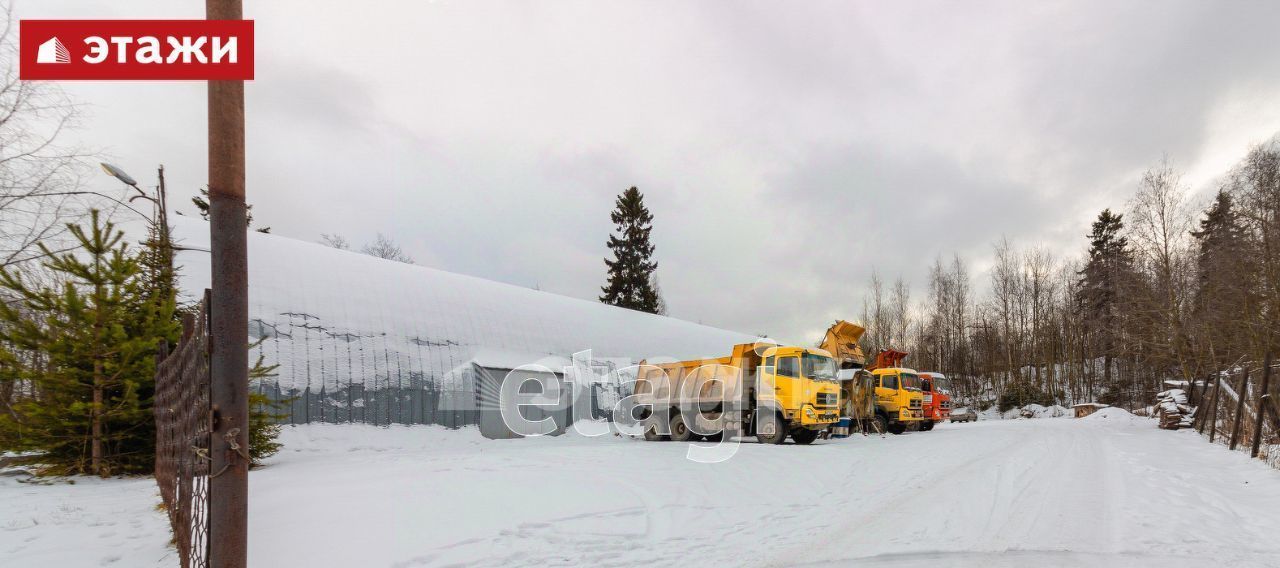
column 1108, row 490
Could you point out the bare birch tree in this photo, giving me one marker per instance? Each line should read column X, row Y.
column 384, row 247
column 39, row 176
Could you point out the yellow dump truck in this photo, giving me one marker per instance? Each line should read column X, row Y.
column 880, row 396
column 761, row 389
column 899, row 402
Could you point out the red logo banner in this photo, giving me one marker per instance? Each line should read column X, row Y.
column 136, row 50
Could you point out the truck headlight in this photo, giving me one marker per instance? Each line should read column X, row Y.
column 809, row 412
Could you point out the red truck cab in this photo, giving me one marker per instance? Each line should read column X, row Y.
column 937, row 399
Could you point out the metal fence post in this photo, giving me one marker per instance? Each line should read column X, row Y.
column 1238, row 419
column 229, row 315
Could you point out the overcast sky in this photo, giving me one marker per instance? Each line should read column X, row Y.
column 784, row 148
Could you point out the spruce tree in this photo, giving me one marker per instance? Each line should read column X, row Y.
column 202, row 205
column 265, row 414
column 1102, row 282
column 1226, row 268
column 631, row 270
column 83, row 352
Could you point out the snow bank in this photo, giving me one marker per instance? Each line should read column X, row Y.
column 1111, row 413
column 991, row 413
column 1029, row 411
column 1055, row 411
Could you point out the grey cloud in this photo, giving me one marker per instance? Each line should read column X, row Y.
column 784, row 148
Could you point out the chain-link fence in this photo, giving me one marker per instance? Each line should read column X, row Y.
column 183, row 423
column 326, row 373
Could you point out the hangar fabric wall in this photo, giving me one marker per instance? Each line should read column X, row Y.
column 362, row 339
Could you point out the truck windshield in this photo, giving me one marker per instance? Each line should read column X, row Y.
column 910, row 381
column 889, row 382
column 942, row 384
column 818, row 367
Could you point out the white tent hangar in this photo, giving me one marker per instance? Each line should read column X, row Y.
column 362, row 339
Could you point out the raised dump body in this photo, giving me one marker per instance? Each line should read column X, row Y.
column 761, row 389
column 857, row 391
column 841, row 341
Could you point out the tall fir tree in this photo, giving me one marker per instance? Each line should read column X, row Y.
column 631, row 270
column 1226, row 269
column 84, row 352
column 1102, row 284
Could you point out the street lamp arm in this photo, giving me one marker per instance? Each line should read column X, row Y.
column 104, row 196
column 146, row 197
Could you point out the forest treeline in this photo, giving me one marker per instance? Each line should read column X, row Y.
column 1166, row 289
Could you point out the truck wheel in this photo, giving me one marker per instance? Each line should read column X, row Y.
column 804, row 436
column 770, row 422
column 680, row 431
column 881, row 424
column 651, row 434
column 926, row 426
column 897, row 428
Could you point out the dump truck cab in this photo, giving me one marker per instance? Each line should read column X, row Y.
column 936, row 388
column 767, row 390
column 899, row 401
column 806, row 389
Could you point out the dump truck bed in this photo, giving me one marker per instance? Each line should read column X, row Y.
column 701, row 380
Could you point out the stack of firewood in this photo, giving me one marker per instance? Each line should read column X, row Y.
column 1172, row 409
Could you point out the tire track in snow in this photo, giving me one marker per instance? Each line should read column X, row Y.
column 1043, row 492
column 896, row 517
column 993, row 501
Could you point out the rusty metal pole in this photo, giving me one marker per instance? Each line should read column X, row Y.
column 229, row 316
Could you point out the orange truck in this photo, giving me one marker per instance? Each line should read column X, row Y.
column 936, row 388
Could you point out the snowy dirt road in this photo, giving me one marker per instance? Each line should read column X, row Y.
column 1048, row 492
